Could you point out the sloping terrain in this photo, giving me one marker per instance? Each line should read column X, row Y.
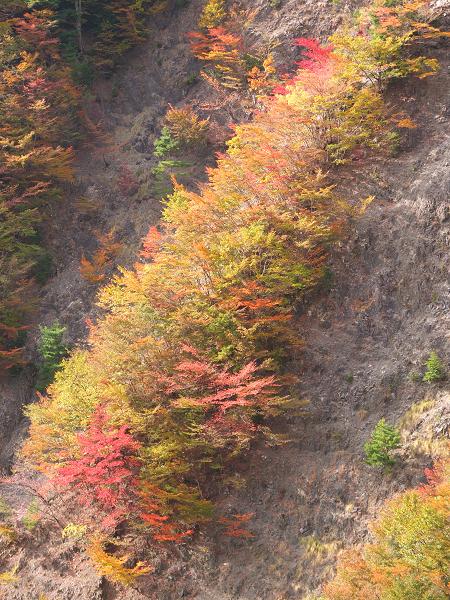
column 386, row 309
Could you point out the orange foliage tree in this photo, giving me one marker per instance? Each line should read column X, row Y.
column 94, row 270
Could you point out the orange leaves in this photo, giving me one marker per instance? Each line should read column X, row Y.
column 406, row 123
column 223, row 50
column 235, row 527
column 94, row 270
column 151, row 243
column 34, row 28
column 159, row 512
column 186, row 127
column 11, row 358
column 191, row 338
column 163, row 530
column 262, row 81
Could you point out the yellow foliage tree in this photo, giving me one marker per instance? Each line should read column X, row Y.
column 213, row 13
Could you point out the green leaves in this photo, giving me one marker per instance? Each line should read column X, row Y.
column 383, row 441
column 52, row 350
column 435, row 369
column 166, row 144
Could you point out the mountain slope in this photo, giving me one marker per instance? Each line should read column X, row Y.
column 362, row 341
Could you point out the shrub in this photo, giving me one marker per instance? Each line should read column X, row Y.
column 7, row 532
column 38, row 107
column 223, row 51
column 74, row 531
column 408, row 559
column 435, row 369
column 113, row 567
column 186, row 127
column 5, row 509
column 52, row 350
column 214, row 12
column 32, row 516
column 94, row 270
column 8, row 577
column 384, row 439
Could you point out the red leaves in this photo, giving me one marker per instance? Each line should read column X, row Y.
column 105, row 472
column 35, row 29
column 315, row 56
column 317, row 60
column 196, row 382
column 435, row 476
column 127, row 181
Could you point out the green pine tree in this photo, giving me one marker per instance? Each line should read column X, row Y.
column 383, row 440
column 52, row 351
column 435, row 369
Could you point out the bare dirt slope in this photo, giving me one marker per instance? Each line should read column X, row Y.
column 386, row 309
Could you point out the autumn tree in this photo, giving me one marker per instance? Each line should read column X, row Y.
column 38, row 106
column 408, row 558
column 104, row 472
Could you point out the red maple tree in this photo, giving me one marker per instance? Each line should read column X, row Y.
column 105, row 472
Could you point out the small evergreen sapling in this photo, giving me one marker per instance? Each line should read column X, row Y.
column 166, row 144
column 384, row 439
column 435, row 369
column 52, row 351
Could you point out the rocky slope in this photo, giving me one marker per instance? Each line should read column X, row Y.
column 386, row 309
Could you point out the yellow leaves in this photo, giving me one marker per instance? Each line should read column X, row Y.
column 8, row 577
column 158, row 7
column 186, row 127
column 262, row 81
column 113, row 567
column 231, row 261
column 56, row 420
column 74, row 531
column 409, row 555
column 10, row 78
column 37, row 108
column 27, row 63
column 57, row 162
column 213, row 13
column 7, row 532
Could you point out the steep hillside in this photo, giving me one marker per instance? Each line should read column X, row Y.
column 366, row 334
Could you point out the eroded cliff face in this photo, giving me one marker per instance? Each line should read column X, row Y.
column 387, row 307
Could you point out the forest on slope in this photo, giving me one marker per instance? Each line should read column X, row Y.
column 188, row 372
